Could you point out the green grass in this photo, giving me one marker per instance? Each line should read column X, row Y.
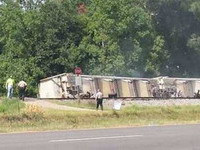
column 76, row 103
column 41, row 120
column 88, row 104
column 11, row 106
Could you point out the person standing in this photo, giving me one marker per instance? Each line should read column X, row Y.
column 9, row 87
column 99, row 99
column 22, row 89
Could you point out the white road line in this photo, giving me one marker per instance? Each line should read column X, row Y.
column 95, row 138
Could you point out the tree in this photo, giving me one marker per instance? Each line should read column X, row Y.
column 119, row 37
column 176, row 23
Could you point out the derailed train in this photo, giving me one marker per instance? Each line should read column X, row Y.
column 85, row 86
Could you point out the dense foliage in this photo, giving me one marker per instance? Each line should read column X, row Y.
column 142, row 38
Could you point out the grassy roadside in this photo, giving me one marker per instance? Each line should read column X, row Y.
column 76, row 103
column 34, row 118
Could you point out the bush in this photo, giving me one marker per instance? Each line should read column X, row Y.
column 11, row 106
column 2, row 108
column 12, row 117
column 33, row 112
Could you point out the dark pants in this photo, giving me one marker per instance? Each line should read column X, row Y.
column 99, row 102
column 22, row 91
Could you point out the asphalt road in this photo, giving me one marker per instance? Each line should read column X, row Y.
column 181, row 137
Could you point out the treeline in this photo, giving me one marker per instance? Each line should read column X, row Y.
column 141, row 38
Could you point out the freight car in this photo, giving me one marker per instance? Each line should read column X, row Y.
column 85, row 86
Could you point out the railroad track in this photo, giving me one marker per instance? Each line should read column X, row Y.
column 123, row 98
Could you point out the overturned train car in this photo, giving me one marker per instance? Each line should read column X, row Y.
column 85, row 86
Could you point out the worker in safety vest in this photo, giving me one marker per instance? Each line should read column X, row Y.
column 9, row 87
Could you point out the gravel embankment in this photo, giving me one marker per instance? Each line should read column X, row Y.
column 110, row 103
column 162, row 102
column 153, row 102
